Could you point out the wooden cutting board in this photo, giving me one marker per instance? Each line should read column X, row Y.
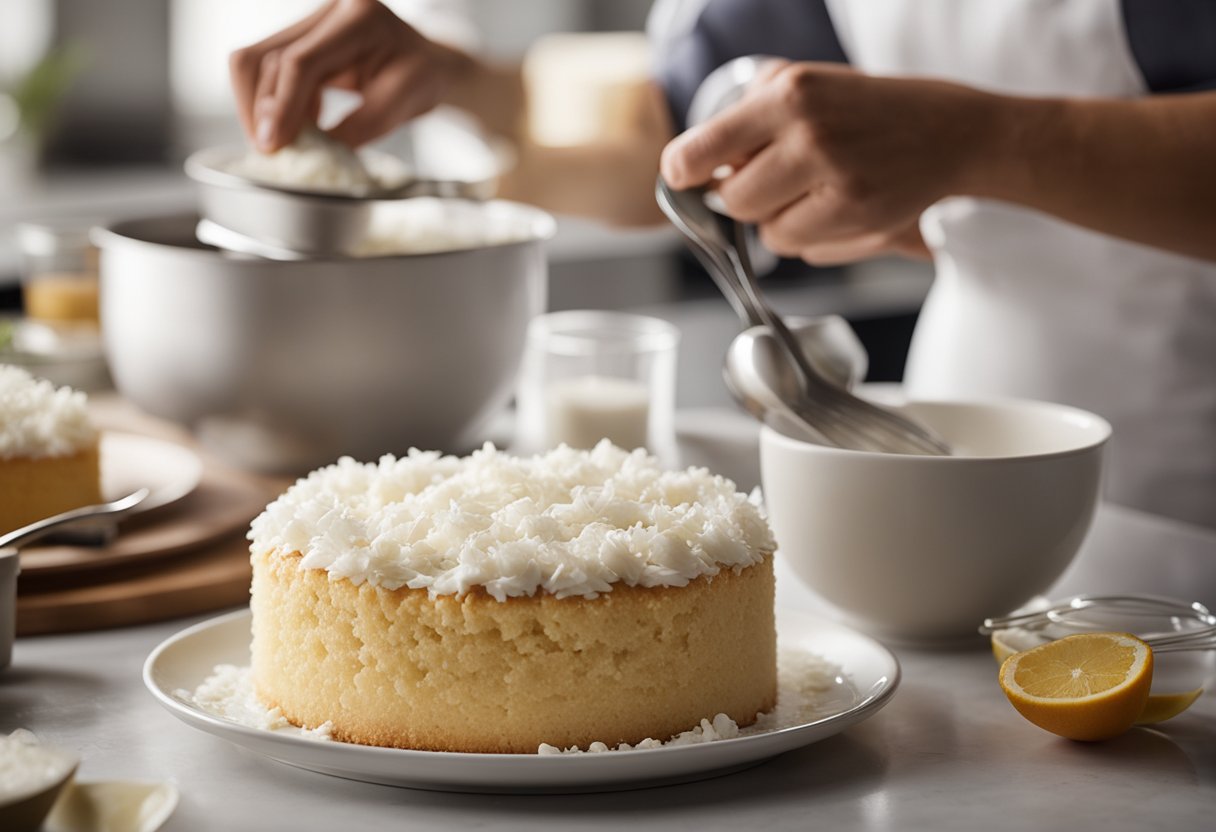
column 211, row 579
column 222, row 505
column 184, row 559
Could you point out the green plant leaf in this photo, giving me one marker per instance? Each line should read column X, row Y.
column 39, row 92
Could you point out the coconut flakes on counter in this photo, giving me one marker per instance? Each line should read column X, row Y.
column 228, row 693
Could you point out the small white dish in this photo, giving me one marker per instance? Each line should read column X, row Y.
column 34, row 776
column 869, row 679
column 918, row 549
column 130, row 462
column 112, row 806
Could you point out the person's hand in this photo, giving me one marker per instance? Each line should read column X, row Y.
column 355, row 44
column 833, row 165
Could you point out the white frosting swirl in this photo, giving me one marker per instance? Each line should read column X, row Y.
column 568, row 522
column 39, row 420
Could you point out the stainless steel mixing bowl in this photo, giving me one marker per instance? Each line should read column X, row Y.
column 284, row 366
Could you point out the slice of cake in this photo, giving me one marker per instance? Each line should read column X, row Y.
column 49, row 459
column 494, row 603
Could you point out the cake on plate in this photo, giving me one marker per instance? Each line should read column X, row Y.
column 493, row 603
column 49, row 461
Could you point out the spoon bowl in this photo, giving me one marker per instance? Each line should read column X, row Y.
column 760, row 379
column 795, row 390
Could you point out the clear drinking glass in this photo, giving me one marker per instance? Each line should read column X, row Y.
column 60, row 284
column 590, row 375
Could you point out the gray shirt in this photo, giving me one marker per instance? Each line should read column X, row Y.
column 1173, row 42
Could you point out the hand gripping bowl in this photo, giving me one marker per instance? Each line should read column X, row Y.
column 282, row 366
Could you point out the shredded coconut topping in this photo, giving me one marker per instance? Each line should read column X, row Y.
column 427, row 224
column 39, row 420
column 567, row 522
column 313, row 162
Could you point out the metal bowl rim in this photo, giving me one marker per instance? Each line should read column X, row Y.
column 201, row 167
column 120, row 232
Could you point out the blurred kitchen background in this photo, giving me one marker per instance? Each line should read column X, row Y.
column 101, row 101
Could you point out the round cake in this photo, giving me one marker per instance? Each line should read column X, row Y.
column 495, row 603
column 49, row 457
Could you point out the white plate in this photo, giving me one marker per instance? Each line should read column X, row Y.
column 186, row 659
column 130, row 462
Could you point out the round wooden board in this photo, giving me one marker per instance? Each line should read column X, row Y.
column 190, row 584
column 223, row 504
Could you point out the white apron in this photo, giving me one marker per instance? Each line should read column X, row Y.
column 1026, row 305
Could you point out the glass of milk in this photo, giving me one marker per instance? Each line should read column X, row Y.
column 591, row 375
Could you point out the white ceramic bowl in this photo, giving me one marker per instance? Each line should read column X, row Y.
column 917, row 548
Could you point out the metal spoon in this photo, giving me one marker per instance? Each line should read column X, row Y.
column 756, row 374
column 828, row 342
column 28, row 534
column 839, row 417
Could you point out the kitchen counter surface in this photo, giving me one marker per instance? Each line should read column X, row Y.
column 947, row 753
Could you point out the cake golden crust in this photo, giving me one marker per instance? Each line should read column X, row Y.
column 404, row 669
column 32, row 488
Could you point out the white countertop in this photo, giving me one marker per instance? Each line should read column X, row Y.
column 948, row 752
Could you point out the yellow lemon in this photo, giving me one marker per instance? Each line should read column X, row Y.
column 1007, row 642
column 1158, row 708
column 1163, row 706
column 1085, row 687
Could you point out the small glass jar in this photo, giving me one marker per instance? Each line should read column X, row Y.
column 60, row 272
column 592, row 375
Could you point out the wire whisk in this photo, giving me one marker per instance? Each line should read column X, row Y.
column 1192, row 625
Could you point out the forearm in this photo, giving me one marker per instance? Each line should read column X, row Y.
column 1140, row 169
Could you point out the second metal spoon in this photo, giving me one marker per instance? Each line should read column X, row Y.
column 28, row 534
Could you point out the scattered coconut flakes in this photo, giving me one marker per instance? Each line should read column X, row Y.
column 228, row 693
column 721, row 727
column 803, row 682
